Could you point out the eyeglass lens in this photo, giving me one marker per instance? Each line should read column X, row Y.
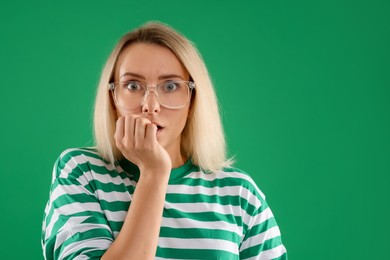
column 130, row 95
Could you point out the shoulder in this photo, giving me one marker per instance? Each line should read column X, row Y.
column 232, row 178
column 80, row 154
column 74, row 161
column 243, row 178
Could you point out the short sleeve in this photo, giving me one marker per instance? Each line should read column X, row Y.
column 262, row 239
column 74, row 225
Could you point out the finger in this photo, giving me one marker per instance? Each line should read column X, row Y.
column 140, row 130
column 151, row 133
column 119, row 131
column 129, row 129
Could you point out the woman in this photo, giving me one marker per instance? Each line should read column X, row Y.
column 158, row 184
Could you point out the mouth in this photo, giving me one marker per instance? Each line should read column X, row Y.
column 159, row 128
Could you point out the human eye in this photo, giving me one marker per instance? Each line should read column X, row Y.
column 132, row 85
column 170, row 86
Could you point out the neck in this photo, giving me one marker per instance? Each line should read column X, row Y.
column 177, row 158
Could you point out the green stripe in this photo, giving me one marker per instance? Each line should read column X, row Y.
column 94, row 217
column 67, row 200
column 269, row 223
column 115, row 226
column 84, row 167
column 115, row 205
column 267, row 245
column 89, row 174
column 95, row 254
column 93, row 185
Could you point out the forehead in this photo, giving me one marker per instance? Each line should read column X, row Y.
column 149, row 60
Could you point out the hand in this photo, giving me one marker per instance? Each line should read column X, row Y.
column 135, row 137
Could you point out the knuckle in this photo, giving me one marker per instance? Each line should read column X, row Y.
column 142, row 121
column 132, row 117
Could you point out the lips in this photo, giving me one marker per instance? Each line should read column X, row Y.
column 158, row 125
column 159, row 128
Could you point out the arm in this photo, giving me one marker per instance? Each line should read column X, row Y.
column 262, row 238
column 138, row 238
column 74, row 223
column 139, row 235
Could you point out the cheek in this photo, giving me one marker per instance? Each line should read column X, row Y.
column 122, row 112
column 177, row 119
column 182, row 120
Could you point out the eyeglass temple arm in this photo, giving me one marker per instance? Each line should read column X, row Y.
column 111, row 86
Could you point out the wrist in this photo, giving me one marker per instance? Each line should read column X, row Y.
column 155, row 169
column 155, row 175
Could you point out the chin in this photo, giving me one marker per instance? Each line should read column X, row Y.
column 169, row 145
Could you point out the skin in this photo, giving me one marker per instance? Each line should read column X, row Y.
column 155, row 151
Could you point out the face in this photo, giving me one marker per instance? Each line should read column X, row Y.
column 152, row 64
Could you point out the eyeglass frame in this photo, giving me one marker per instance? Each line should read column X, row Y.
column 190, row 84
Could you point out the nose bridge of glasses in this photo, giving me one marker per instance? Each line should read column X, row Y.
column 149, row 89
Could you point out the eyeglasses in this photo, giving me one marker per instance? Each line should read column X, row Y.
column 171, row 94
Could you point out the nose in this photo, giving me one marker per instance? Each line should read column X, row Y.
column 151, row 104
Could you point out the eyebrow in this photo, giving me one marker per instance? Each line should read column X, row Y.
column 167, row 76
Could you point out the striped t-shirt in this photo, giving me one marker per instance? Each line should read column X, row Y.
column 221, row 215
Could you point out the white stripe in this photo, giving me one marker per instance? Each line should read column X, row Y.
column 270, row 254
column 117, row 216
column 260, row 238
column 96, row 243
column 54, row 173
column 223, row 175
column 261, row 217
column 92, row 175
column 190, row 223
column 73, row 222
column 198, row 243
column 210, row 207
column 108, row 179
column 69, row 166
column 70, row 209
column 79, row 189
column 64, row 190
column 113, row 196
column 220, row 191
column 77, row 150
column 80, row 159
column 115, row 234
column 68, row 190
column 74, row 226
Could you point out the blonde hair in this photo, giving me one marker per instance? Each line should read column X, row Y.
column 202, row 138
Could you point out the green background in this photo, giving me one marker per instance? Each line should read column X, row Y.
column 303, row 88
